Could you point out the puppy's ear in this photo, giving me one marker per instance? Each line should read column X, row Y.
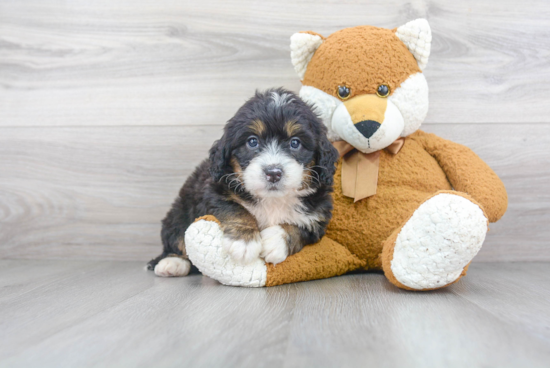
column 327, row 157
column 219, row 158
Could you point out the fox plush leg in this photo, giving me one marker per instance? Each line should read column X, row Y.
column 203, row 241
column 435, row 246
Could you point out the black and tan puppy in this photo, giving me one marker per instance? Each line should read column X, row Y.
column 268, row 181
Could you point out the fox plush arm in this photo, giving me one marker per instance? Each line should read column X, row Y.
column 469, row 174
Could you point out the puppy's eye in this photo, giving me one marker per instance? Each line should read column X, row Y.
column 295, row 143
column 252, row 142
column 383, row 90
column 344, row 92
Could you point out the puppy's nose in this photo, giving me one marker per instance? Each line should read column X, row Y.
column 367, row 127
column 273, row 174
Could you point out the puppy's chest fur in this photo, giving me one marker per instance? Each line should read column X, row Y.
column 276, row 211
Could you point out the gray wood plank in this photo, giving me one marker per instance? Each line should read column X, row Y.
column 19, row 277
column 363, row 318
column 526, row 300
column 31, row 317
column 115, row 314
column 100, row 193
column 186, row 62
column 192, row 321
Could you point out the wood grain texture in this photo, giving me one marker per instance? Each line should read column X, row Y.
column 116, row 314
column 100, row 193
column 169, row 62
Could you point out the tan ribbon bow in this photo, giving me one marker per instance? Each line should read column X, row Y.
column 360, row 170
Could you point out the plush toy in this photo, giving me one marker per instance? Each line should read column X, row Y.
column 406, row 202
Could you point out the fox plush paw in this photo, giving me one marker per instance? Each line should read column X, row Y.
column 204, row 243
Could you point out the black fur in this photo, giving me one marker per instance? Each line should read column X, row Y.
column 207, row 190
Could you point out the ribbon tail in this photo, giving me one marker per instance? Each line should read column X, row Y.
column 349, row 174
column 366, row 180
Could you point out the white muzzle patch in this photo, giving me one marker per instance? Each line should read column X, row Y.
column 254, row 176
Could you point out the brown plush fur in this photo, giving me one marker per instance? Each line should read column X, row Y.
column 209, row 218
column 318, row 261
column 361, row 65
column 405, row 181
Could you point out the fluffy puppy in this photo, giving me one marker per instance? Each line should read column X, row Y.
column 268, row 180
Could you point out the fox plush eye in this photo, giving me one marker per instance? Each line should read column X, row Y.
column 344, row 92
column 252, row 142
column 295, row 143
column 383, row 90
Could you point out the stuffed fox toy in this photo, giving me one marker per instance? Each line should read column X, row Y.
column 408, row 203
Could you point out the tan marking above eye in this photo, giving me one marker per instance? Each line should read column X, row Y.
column 291, row 127
column 236, row 166
column 257, row 126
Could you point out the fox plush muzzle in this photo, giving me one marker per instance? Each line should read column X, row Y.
column 368, row 122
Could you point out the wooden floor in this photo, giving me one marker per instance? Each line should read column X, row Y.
column 95, row 313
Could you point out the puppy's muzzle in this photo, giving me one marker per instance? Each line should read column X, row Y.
column 273, row 174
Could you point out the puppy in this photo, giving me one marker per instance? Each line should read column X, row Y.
column 268, row 181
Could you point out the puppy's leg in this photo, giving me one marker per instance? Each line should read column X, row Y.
column 241, row 236
column 281, row 241
column 173, row 261
column 171, row 264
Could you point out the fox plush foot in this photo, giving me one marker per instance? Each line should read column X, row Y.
column 435, row 246
column 203, row 243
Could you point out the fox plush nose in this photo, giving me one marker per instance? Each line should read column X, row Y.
column 367, row 113
column 367, row 127
column 273, row 174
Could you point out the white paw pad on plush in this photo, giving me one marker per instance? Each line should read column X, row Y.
column 241, row 251
column 438, row 241
column 274, row 247
column 172, row 267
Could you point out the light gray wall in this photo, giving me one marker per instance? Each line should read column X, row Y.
column 106, row 107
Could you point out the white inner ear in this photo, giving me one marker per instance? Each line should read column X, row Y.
column 302, row 48
column 417, row 36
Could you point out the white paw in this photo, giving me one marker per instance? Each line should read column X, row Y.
column 172, row 266
column 274, row 247
column 439, row 240
column 241, row 251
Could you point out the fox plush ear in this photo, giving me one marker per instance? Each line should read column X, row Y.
column 417, row 36
column 302, row 48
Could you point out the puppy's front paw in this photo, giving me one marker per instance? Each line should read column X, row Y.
column 274, row 247
column 242, row 251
